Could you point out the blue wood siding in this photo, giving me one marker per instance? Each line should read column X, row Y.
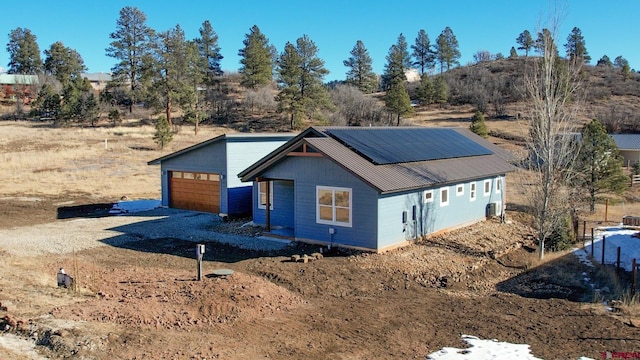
column 307, row 173
column 432, row 217
column 239, row 200
column 282, row 214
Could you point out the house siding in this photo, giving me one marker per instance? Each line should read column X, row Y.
column 309, row 172
column 242, row 154
column 283, row 212
column 432, row 217
column 239, row 200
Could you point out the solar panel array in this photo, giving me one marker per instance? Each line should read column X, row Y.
column 399, row 145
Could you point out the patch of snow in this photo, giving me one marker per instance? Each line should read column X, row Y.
column 484, row 349
column 132, row 206
column 583, row 257
column 616, row 236
column 17, row 345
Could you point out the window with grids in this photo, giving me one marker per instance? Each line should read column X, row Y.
column 333, row 205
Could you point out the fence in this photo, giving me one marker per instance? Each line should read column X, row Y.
column 634, row 263
column 635, row 180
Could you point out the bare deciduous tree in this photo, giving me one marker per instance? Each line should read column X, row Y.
column 552, row 86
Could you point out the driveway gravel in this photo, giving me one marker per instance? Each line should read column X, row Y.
column 67, row 236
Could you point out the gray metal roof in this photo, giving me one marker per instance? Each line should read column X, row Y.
column 17, row 79
column 627, row 141
column 229, row 138
column 395, row 177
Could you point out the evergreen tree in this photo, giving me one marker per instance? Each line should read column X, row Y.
column 600, row 163
column 209, row 51
column 300, row 76
column 447, row 52
column 163, row 134
column 544, row 37
column 623, row 65
column 172, row 84
column 397, row 101
column 478, row 125
column 64, row 63
column 360, row 72
column 605, row 61
column 24, row 53
column 257, row 59
column 525, row 41
column 576, row 47
column 131, row 45
column 513, row 53
column 425, row 92
column 397, row 59
column 289, row 72
column 422, row 52
column 441, row 90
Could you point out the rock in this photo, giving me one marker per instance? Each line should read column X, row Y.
column 634, row 322
column 305, row 258
column 317, row 256
column 295, row 258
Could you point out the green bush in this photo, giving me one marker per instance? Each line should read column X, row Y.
column 562, row 237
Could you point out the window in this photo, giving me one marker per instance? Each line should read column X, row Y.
column 333, row 205
column 214, row 177
column 487, row 187
column 472, row 191
column 428, row 196
column 498, row 185
column 188, row 175
column 176, row 174
column 460, row 190
column 262, row 194
column 444, row 196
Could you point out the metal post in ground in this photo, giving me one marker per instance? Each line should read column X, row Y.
column 618, row 263
column 199, row 254
column 592, row 254
column 584, row 232
column 634, row 270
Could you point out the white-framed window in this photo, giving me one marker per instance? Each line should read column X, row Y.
column 498, row 185
column 459, row 189
column 262, row 194
column 444, row 196
column 472, row 191
column 487, row 187
column 427, row 196
column 334, row 205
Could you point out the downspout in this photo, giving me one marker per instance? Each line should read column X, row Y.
column 268, row 207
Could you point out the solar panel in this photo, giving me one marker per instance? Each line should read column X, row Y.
column 399, row 145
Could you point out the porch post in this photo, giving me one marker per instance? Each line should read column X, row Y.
column 268, row 207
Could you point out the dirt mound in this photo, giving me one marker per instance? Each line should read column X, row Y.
column 173, row 300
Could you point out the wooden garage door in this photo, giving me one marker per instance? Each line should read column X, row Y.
column 194, row 191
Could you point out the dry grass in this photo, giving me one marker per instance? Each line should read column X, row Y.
column 42, row 161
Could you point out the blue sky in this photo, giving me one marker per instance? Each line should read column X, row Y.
column 609, row 27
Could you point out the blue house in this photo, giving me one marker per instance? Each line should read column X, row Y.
column 203, row 177
column 377, row 188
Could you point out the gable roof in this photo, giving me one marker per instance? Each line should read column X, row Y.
column 227, row 138
column 18, row 79
column 407, row 171
column 627, row 141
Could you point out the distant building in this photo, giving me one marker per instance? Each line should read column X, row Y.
column 14, row 86
column 98, row 80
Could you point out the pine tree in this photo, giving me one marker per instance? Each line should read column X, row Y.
column 600, row 163
column 209, row 51
column 425, row 92
column 525, row 41
column 64, row 63
column 24, row 53
column 361, row 73
column 576, row 47
column 623, row 65
column 300, row 76
column 397, row 60
column 257, row 60
column 397, row 101
column 131, row 45
column 441, row 90
column 422, row 52
column 544, row 37
column 605, row 61
column 478, row 125
column 163, row 134
column 513, row 53
column 447, row 52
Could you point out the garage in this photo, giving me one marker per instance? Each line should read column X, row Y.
column 194, row 191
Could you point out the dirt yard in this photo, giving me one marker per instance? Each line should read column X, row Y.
column 140, row 300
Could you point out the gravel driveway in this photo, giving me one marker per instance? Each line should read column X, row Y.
column 66, row 236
